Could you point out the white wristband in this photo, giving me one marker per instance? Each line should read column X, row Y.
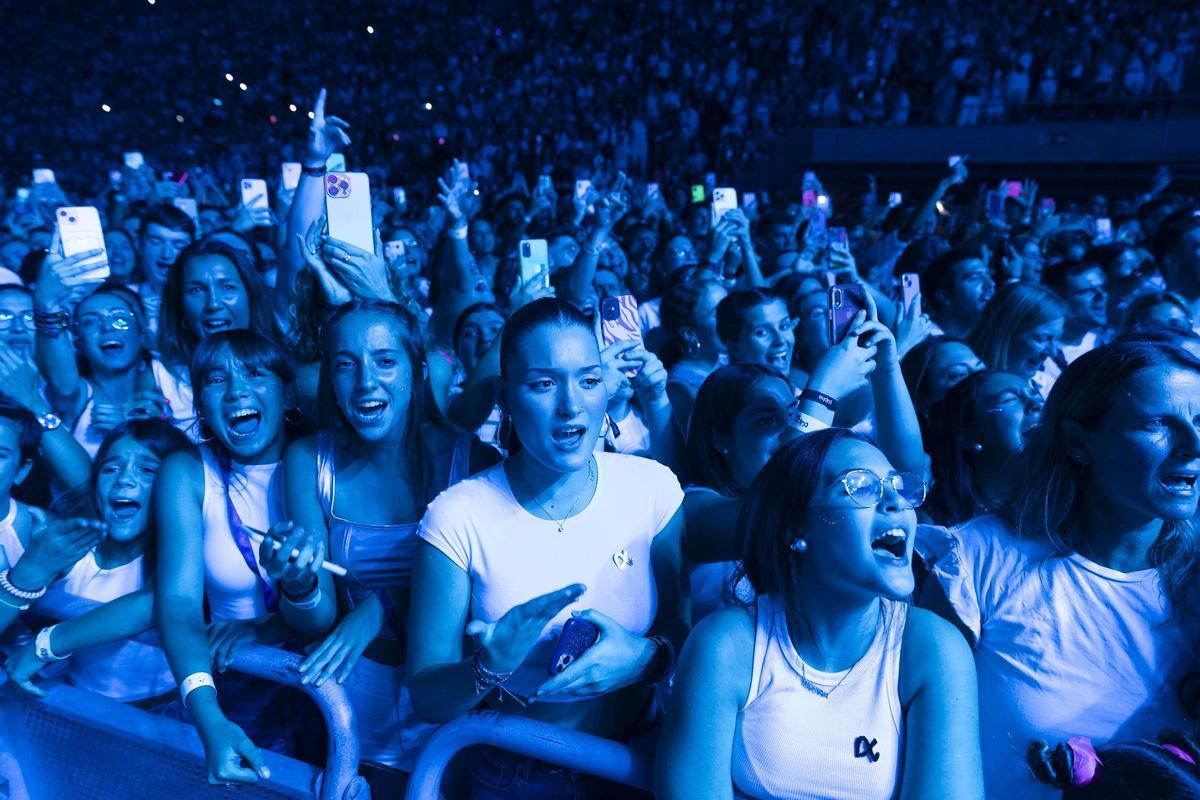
column 460, row 232
column 193, row 682
column 41, row 645
column 305, row 603
column 807, row 423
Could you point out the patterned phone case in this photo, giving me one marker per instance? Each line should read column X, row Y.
column 576, row 637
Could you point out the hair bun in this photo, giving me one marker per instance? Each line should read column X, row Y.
column 1052, row 767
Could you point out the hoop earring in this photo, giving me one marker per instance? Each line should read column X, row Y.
column 504, row 431
column 605, row 427
column 799, row 546
column 203, row 434
column 297, row 416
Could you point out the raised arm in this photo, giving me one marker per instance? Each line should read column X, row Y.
column 609, row 210
column 66, row 458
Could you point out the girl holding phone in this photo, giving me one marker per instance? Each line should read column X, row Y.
column 505, row 555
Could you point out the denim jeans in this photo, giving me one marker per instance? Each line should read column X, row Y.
column 496, row 774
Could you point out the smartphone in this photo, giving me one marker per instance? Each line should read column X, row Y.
column 724, row 199
column 400, row 196
column 254, row 193
column 953, row 161
column 535, row 259
column 910, row 287
column 749, row 203
column 393, row 250
column 576, row 637
column 348, row 208
column 464, row 171
column 823, row 203
column 336, row 162
column 79, row 231
column 289, row 175
column 581, row 188
column 845, row 301
column 22, row 194
column 134, row 160
column 995, row 206
column 895, row 199
column 43, row 176
column 838, row 236
column 619, row 323
column 1104, row 230
column 1012, row 188
column 697, row 193
column 168, row 176
column 188, row 206
column 651, row 191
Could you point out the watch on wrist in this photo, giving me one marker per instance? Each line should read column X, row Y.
column 49, row 421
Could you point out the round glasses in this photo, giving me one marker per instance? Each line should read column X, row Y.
column 866, row 488
column 8, row 319
column 95, row 321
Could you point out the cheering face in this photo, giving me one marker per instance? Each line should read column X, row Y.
column 214, row 296
column 414, row 253
column 1006, row 410
column 1028, row 350
column 854, row 548
column 768, row 336
column 16, row 321
column 160, row 247
column 107, row 333
column 125, row 488
column 242, row 405
column 950, row 364
column 121, row 256
column 973, row 286
column 371, row 374
column 1087, row 297
column 1143, row 460
column 478, row 333
column 762, row 426
column 555, row 393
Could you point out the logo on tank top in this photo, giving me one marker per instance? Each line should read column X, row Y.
column 865, row 748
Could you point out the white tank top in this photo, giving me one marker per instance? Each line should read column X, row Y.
column 233, row 591
column 124, row 670
column 793, row 744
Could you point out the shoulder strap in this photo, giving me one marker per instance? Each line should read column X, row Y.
column 325, row 470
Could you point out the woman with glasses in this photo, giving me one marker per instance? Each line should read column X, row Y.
column 827, row 684
column 16, row 319
column 97, row 370
column 1080, row 602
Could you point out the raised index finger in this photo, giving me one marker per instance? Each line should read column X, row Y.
column 319, row 107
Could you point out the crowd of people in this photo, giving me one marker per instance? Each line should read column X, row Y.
column 872, row 499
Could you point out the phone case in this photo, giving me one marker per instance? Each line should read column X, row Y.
column 724, row 199
column 535, row 258
column 576, row 637
column 79, row 231
column 254, row 193
column 400, row 196
column 619, row 323
column 910, row 287
column 845, row 301
column 43, row 176
column 348, row 208
column 838, row 236
column 290, row 174
column 895, row 199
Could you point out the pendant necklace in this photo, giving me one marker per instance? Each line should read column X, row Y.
column 561, row 522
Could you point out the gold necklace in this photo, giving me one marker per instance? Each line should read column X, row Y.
column 575, row 502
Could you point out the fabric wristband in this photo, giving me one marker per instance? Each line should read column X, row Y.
column 818, row 397
column 459, row 232
column 41, row 646
column 807, row 423
column 193, row 682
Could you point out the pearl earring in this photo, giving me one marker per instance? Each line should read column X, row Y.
column 977, row 447
column 798, row 546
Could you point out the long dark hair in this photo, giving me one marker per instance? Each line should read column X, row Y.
column 408, row 330
column 1053, row 480
column 721, row 398
column 176, row 341
column 1126, row 769
column 678, row 311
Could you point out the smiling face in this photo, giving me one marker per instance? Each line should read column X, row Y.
column 243, row 406
column 214, row 296
column 107, row 333
column 854, row 549
column 1005, row 410
column 1029, row 349
column 17, row 307
column 554, row 390
column 371, row 374
column 767, row 336
column 759, row 429
column 124, row 490
column 478, row 333
column 1143, row 459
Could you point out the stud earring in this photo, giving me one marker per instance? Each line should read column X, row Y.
column 977, row 447
column 799, row 546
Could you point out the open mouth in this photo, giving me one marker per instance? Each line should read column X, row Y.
column 369, row 410
column 112, row 346
column 122, row 509
column 244, row 421
column 568, row 436
column 778, row 359
column 1181, row 483
column 891, row 543
column 216, row 324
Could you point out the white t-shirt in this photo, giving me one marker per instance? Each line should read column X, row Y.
column 1090, row 341
column 513, row 556
column 1065, row 647
column 124, row 670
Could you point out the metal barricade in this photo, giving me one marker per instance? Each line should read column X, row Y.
column 79, row 745
column 603, row 758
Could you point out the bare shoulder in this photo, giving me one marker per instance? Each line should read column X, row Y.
column 934, row 652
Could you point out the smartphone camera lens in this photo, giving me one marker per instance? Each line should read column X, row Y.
column 525, row 251
column 70, row 219
column 836, row 296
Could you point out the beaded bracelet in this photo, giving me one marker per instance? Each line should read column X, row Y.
column 50, row 323
column 485, row 679
column 20, row 594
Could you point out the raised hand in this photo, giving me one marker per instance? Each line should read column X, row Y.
column 335, row 293
column 20, row 377
column 453, row 193
column 365, row 274
column 325, row 135
column 504, row 644
column 55, row 546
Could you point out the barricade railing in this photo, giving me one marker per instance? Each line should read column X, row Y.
column 594, row 755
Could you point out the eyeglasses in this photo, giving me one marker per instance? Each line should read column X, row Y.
column 95, row 321
column 866, row 488
column 8, row 319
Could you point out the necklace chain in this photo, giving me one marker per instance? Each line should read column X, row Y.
column 575, row 502
column 809, row 685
